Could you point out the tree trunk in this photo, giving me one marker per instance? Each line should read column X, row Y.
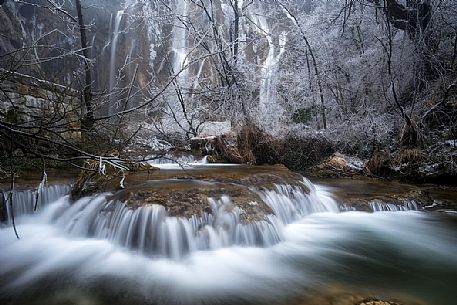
column 88, row 119
column 236, row 30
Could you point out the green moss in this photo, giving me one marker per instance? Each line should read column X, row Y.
column 321, row 173
column 23, row 167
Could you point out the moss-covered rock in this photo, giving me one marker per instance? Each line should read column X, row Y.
column 95, row 179
column 186, row 198
column 185, row 192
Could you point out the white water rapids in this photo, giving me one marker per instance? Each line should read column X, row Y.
column 100, row 249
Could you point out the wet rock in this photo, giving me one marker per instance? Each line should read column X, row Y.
column 338, row 165
column 377, row 302
column 187, row 195
column 336, row 295
column 99, row 178
column 187, row 192
column 183, row 198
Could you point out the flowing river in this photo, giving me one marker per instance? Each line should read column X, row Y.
column 97, row 250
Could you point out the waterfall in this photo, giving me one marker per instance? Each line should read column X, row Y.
column 149, row 230
column 378, row 206
column 267, row 95
column 264, row 98
column 112, row 70
column 24, row 201
column 98, row 250
column 178, row 43
column 290, row 203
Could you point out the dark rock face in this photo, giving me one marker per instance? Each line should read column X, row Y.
column 23, row 23
column 10, row 31
column 35, row 99
column 3, row 211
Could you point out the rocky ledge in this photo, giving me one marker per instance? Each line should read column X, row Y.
column 361, row 193
column 187, row 191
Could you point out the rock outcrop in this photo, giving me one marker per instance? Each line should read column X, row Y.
column 187, row 192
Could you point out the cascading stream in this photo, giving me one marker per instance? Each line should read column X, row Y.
column 24, row 201
column 149, row 230
column 154, row 258
column 378, row 206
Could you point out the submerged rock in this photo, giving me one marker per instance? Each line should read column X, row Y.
column 377, row 302
column 336, row 295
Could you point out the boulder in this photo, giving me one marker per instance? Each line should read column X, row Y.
column 338, row 165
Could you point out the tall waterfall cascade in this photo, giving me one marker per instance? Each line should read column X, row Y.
column 180, row 32
column 179, row 40
column 267, row 97
column 113, row 72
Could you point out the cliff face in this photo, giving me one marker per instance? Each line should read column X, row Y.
column 159, row 36
column 27, row 100
column 11, row 36
column 44, row 40
column 208, row 55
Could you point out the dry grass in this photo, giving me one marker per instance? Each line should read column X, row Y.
column 411, row 155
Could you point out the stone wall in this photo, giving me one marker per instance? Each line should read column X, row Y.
column 32, row 102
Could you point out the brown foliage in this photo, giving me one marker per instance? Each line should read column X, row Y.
column 250, row 146
column 380, row 164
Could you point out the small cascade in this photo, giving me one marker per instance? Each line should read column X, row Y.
column 150, row 231
column 378, row 206
column 171, row 159
column 24, row 201
column 172, row 162
column 204, row 160
column 290, row 203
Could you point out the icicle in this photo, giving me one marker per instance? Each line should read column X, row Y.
column 101, row 167
column 43, row 183
column 121, row 184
